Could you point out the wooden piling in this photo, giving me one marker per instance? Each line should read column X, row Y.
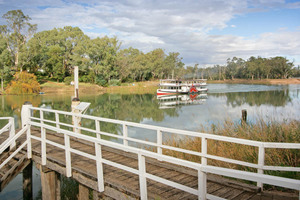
column 244, row 115
column 83, row 192
column 27, row 182
column 50, row 184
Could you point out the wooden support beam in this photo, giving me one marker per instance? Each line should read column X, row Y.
column 83, row 192
column 27, row 182
column 50, row 184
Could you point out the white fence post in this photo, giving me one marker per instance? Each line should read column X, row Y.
column 202, row 176
column 261, row 162
column 12, row 132
column 142, row 177
column 125, row 135
column 57, row 120
column 99, row 167
column 29, row 149
column 201, row 185
column 159, row 142
column 97, row 124
column 68, row 156
column 25, row 113
column 43, row 137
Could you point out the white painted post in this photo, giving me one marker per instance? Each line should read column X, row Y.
column 76, row 81
column 97, row 124
column 12, row 132
column 125, row 135
column 75, row 102
column 76, row 121
column 57, row 120
column 261, row 162
column 26, row 113
column 68, row 156
column 43, row 137
column 29, row 150
column 201, row 185
column 202, row 176
column 99, row 167
column 142, row 177
column 159, row 142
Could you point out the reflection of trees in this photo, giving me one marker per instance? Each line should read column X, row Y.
column 127, row 107
column 273, row 98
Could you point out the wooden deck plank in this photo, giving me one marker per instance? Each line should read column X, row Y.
column 117, row 179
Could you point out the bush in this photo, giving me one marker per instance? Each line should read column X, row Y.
column 114, row 82
column 23, row 83
column 68, row 80
column 101, row 81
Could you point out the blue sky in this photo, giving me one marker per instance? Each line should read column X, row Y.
column 206, row 32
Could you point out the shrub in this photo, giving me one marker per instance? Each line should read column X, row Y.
column 101, row 81
column 23, row 83
column 68, row 80
column 114, row 82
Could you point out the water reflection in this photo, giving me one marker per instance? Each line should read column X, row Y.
column 273, row 98
column 222, row 102
column 171, row 101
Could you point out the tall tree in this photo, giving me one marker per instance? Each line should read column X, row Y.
column 103, row 55
column 17, row 31
column 5, row 62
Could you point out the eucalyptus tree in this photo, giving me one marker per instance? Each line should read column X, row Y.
column 155, row 62
column 173, row 64
column 103, row 56
column 56, row 51
column 234, row 67
column 282, row 67
column 16, row 33
column 5, row 62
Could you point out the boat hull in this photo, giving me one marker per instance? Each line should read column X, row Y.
column 162, row 92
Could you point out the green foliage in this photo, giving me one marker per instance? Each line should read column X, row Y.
column 253, row 68
column 100, row 80
column 55, row 52
column 114, row 82
column 23, row 83
column 16, row 33
column 68, row 80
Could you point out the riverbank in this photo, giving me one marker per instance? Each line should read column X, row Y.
column 88, row 88
column 263, row 130
column 146, row 87
column 259, row 82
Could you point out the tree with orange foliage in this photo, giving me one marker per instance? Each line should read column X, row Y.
column 23, row 83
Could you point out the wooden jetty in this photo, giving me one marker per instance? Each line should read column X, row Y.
column 119, row 171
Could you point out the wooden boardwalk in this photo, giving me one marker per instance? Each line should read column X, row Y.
column 120, row 184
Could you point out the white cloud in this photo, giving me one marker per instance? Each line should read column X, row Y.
column 181, row 25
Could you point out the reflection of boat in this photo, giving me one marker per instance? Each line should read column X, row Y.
column 174, row 86
column 170, row 101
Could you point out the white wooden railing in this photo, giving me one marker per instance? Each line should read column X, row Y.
column 38, row 120
column 10, row 126
column 10, row 142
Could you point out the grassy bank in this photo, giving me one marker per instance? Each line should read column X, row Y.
column 87, row 88
column 262, row 81
column 288, row 132
column 145, row 87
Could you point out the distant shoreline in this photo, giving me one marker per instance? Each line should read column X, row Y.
column 147, row 86
column 262, row 81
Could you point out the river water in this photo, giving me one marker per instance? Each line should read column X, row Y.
column 191, row 112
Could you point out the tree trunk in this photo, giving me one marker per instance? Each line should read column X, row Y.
column 2, row 85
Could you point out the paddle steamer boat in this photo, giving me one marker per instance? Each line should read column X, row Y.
column 175, row 86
